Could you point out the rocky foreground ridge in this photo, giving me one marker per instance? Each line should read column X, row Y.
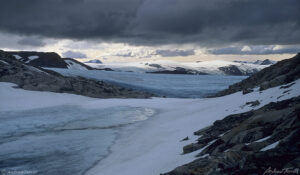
column 282, row 72
column 31, row 77
column 255, row 142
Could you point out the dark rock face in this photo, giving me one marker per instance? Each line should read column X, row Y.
column 35, row 78
column 247, row 91
column 253, row 103
column 282, row 72
column 77, row 62
column 155, row 65
column 234, row 70
column 179, row 70
column 231, row 70
column 45, row 59
column 105, row 69
column 266, row 62
column 238, row 143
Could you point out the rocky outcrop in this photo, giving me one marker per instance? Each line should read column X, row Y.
column 254, row 142
column 155, row 65
column 282, row 72
column 41, row 59
column 231, row 70
column 248, row 143
column 178, row 70
column 266, row 62
column 71, row 61
column 235, row 71
column 35, row 78
column 46, row 59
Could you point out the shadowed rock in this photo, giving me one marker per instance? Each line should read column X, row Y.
column 282, row 72
column 241, row 141
column 35, row 78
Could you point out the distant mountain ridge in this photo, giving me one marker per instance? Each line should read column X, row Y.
column 96, row 61
column 258, row 62
column 216, row 67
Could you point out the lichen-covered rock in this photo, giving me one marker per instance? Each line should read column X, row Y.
column 241, row 142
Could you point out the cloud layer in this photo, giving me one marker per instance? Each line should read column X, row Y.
column 255, row 50
column 152, row 22
column 73, row 54
column 174, row 53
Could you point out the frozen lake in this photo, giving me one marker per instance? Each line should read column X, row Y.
column 61, row 140
column 169, row 85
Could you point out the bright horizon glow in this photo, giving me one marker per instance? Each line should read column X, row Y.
column 111, row 52
column 122, row 52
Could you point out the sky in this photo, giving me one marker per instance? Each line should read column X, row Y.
column 139, row 30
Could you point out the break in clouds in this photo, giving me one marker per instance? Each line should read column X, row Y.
column 152, row 22
column 159, row 52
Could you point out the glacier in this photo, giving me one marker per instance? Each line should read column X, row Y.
column 175, row 86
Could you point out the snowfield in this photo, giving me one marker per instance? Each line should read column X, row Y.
column 209, row 67
column 153, row 145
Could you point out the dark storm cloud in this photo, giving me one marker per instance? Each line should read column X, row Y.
column 174, row 53
column 148, row 22
column 255, row 50
column 72, row 54
column 32, row 41
column 78, row 19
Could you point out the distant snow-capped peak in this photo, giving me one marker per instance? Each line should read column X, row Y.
column 220, row 67
column 96, row 61
column 258, row 62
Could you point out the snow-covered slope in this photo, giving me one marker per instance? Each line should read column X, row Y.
column 259, row 62
column 206, row 67
column 178, row 120
column 265, row 62
column 150, row 147
column 73, row 65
